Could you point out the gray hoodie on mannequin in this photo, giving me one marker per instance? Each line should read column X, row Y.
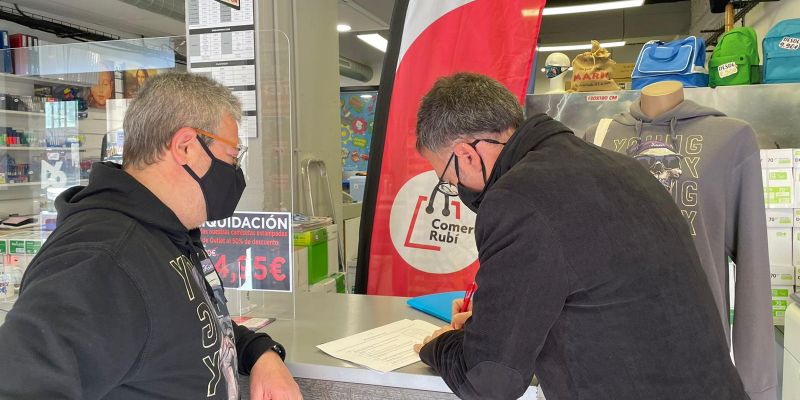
column 711, row 166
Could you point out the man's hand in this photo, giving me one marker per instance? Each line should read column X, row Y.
column 459, row 318
column 446, row 328
column 271, row 380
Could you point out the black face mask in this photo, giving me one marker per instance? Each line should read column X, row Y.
column 469, row 197
column 222, row 186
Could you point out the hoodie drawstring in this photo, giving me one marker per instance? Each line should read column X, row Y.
column 673, row 125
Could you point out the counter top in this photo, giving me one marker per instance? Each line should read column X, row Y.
column 322, row 317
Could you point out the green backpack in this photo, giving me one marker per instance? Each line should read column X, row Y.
column 735, row 59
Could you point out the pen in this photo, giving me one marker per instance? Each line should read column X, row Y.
column 468, row 297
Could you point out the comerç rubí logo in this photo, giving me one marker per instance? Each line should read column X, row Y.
column 433, row 232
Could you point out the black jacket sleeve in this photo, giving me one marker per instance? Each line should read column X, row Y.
column 250, row 346
column 62, row 341
column 522, row 286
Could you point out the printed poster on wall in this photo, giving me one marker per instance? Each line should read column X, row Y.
column 251, row 250
column 357, row 113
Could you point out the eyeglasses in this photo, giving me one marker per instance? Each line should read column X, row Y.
column 240, row 148
column 668, row 161
column 447, row 188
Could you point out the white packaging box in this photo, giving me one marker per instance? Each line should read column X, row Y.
column 780, row 246
column 797, row 218
column 780, row 301
column 327, row 285
column 795, row 159
column 779, row 191
column 300, row 259
column 779, row 158
column 781, row 276
column 765, row 186
column 333, row 249
column 780, row 217
column 795, row 247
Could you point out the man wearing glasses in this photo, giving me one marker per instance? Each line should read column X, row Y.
column 122, row 301
column 589, row 277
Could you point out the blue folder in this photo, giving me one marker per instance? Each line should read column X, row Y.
column 440, row 305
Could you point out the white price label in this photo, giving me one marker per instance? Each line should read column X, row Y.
column 727, row 69
column 790, row 43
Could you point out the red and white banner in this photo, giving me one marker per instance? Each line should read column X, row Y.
column 419, row 243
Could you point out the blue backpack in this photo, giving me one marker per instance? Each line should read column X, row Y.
column 782, row 52
column 681, row 60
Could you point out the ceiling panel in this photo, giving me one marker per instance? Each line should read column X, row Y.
column 112, row 14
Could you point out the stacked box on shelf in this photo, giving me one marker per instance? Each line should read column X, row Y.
column 17, row 249
column 780, row 174
column 316, row 241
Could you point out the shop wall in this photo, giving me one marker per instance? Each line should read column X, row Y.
column 765, row 15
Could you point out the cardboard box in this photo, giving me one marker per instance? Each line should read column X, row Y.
column 300, row 260
column 780, row 246
column 779, row 191
column 779, row 158
column 781, row 276
column 780, row 217
column 780, row 301
column 622, row 72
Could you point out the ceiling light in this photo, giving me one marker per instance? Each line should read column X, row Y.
column 544, row 49
column 610, row 5
column 375, row 40
column 366, row 96
column 343, row 28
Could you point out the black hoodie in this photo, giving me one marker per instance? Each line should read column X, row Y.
column 115, row 306
column 589, row 278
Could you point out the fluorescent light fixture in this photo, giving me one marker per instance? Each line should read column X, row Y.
column 375, row 40
column 366, row 96
column 546, row 49
column 343, row 28
column 610, row 5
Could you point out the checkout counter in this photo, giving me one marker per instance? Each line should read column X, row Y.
column 323, row 317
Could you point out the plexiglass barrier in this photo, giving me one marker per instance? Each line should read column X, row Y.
column 62, row 109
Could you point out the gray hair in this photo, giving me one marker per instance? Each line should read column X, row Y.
column 465, row 105
column 167, row 103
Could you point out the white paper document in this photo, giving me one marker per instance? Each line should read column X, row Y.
column 383, row 349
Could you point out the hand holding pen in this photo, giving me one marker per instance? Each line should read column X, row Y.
column 462, row 308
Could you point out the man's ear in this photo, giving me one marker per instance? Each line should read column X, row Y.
column 179, row 145
column 465, row 153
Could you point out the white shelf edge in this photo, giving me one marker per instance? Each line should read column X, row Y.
column 23, row 113
column 20, row 184
column 34, row 79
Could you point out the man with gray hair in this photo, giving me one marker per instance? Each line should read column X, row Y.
column 589, row 277
column 122, row 301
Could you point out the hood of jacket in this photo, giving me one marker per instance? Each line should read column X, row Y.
column 685, row 112
column 111, row 188
column 525, row 139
